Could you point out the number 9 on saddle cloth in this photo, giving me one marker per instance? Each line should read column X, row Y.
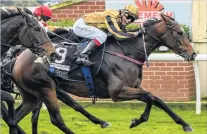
column 64, row 60
column 65, row 64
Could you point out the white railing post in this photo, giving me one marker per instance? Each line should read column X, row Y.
column 198, row 89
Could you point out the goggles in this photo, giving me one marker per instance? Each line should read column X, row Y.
column 46, row 18
column 128, row 16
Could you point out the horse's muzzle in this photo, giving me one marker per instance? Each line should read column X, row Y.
column 193, row 56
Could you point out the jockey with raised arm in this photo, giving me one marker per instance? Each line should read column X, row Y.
column 93, row 25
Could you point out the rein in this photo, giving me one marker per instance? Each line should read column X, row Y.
column 70, row 42
column 125, row 57
column 144, row 45
column 6, row 45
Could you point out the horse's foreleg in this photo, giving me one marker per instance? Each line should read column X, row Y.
column 65, row 98
column 35, row 116
column 144, row 117
column 8, row 98
column 5, row 117
column 127, row 93
column 28, row 104
column 50, row 99
column 159, row 103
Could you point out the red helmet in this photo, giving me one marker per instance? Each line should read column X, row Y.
column 43, row 10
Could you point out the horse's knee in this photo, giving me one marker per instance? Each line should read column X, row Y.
column 12, row 123
column 7, row 97
column 150, row 97
column 10, row 102
column 57, row 122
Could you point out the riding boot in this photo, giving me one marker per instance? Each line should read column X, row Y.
column 84, row 56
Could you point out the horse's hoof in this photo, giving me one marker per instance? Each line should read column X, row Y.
column 105, row 125
column 188, row 129
column 133, row 123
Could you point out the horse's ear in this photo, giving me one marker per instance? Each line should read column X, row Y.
column 23, row 13
column 166, row 18
column 163, row 17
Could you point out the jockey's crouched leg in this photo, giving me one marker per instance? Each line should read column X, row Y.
column 84, row 56
column 96, row 35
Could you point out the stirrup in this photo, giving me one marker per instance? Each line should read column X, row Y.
column 84, row 59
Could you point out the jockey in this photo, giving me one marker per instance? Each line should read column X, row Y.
column 93, row 25
column 43, row 14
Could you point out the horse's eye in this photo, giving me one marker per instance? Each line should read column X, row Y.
column 37, row 29
column 180, row 33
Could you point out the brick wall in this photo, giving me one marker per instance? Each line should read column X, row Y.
column 169, row 80
column 77, row 10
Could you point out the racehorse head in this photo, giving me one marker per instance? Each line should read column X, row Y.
column 172, row 35
column 19, row 27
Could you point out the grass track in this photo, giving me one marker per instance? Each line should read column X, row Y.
column 119, row 115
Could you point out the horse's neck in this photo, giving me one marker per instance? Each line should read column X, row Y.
column 148, row 43
column 10, row 30
column 136, row 47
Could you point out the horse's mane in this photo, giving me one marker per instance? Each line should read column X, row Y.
column 150, row 22
column 9, row 12
column 154, row 20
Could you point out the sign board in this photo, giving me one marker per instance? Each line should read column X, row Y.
column 178, row 9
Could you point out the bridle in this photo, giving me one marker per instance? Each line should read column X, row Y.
column 160, row 39
column 36, row 48
column 180, row 51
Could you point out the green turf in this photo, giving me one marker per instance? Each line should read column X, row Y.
column 119, row 115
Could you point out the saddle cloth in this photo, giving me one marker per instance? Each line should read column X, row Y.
column 65, row 66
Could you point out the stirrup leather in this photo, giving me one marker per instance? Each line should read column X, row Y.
column 84, row 59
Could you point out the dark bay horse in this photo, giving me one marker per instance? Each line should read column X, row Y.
column 21, row 27
column 117, row 79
